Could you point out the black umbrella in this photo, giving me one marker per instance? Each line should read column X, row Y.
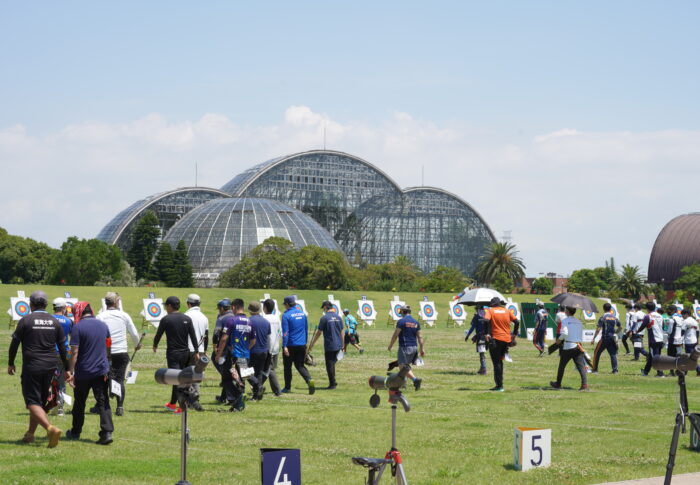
column 575, row 300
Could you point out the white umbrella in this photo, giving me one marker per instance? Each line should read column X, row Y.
column 479, row 295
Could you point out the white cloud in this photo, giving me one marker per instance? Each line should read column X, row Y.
column 572, row 198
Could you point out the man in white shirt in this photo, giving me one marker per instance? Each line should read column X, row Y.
column 675, row 332
column 119, row 324
column 201, row 331
column 570, row 338
column 270, row 314
column 690, row 334
column 629, row 325
column 653, row 323
column 638, row 332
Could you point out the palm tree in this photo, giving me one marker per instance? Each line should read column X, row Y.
column 631, row 282
column 500, row 257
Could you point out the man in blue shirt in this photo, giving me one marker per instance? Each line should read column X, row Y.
column 89, row 343
column 59, row 313
column 351, row 335
column 408, row 333
column 295, row 329
column 260, row 352
column 224, row 309
column 238, row 332
column 609, row 325
column 331, row 325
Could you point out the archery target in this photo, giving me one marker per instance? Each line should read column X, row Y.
column 69, row 307
column 301, row 306
column 458, row 311
column 153, row 310
column 588, row 315
column 428, row 311
column 697, row 311
column 366, row 310
column 336, row 307
column 396, row 309
column 513, row 307
column 615, row 313
column 22, row 308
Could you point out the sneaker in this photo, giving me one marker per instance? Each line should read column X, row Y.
column 362, row 351
column 497, row 389
column 588, row 369
column 541, row 353
column 417, row 383
column 482, row 372
column 72, row 435
column 177, row 410
column 554, row 385
column 286, row 390
column 584, row 388
column 312, row 387
column 119, row 411
column 171, row 407
column 105, row 439
column 220, row 399
column 615, row 371
column 28, row 438
column 60, row 411
column 330, row 388
column 508, row 358
column 54, row 434
column 660, row 374
column 644, row 373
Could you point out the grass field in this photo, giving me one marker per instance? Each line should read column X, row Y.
column 457, row 432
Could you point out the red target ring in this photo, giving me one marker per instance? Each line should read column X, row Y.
column 153, row 309
column 22, row 309
column 366, row 309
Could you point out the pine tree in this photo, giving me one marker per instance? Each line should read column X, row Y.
column 182, row 266
column 163, row 267
column 144, row 242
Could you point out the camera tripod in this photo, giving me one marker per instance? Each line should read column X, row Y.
column 183, row 400
column 681, row 418
column 376, row 466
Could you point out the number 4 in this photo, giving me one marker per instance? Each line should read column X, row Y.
column 285, row 480
column 537, row 449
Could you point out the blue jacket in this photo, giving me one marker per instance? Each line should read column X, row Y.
column 295, row 328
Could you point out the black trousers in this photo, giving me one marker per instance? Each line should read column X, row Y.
column 99, row 389
column 577, row 356
column 177, row 360
column 296, row 356
column 497, row 350
column 609, row 345
column 654, row 349
column 259, row 362
column 624, row 342
column 331, row 359
column 117, row 372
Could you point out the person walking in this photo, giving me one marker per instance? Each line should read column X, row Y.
column 200, row 322
column 295, row 329
column 478, row 326
column 224, row 309
column 41, row 336
column 609, row 325
column 351, row 336
column 637, row 335
column 90, row 342
column 629, row 325
column 119, row 324
column 690, row 334
column 178, row 328
column 675, row 332
column 653, row 323
column 331, row 326
column 411, row 342
column 59, row 313
column 541, row 318
column 274, row 345
column 260, row 352
column 499, row 337
column 570, row 340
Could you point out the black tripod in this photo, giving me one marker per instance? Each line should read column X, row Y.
column 183, row 399
column 681, row 418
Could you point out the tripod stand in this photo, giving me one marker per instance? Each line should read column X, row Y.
column 376, row 466
column 681, row 418
column 182, row 400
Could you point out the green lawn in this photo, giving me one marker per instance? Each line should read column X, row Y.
column 456, row 433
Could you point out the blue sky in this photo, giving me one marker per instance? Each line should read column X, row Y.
column 526, row 92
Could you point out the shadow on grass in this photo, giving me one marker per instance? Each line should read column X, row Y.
column 458, row 373
column 509, row 466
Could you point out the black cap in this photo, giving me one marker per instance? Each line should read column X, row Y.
column 326, row 304
column 173, row 301
column 495, row 301
column 290, row 300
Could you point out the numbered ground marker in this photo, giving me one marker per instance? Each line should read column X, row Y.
column 532, row 448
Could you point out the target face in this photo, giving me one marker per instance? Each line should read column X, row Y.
column 299, row 307
column 588, row 314
column 697, row 311
column 397, row 310
column 614, row 312
column 69, row 310
column 458, row 311
column 153, row 309
column 514, row 309
column 22, row 308
column 335, row 307
column 428, row 311
column 366, row 309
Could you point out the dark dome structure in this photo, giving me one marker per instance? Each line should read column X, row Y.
column 677, row 245
column 168, row 206
column 219, row 233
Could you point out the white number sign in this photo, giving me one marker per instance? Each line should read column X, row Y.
column 532, row 448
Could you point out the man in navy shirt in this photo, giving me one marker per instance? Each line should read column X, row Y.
column 238, row 332
column 331, row 325
column 408, row 333
column 260, row 352
column 541, row 318
column 295, row 328
column 89, row 343
column 59, row 313
column 609, row 325
column 479, row 327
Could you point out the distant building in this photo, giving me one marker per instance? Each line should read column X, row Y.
column 677, row 245
column 558, row 282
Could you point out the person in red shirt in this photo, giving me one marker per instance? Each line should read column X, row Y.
column 499, row 337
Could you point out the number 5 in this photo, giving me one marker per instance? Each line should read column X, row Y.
column 537, row 449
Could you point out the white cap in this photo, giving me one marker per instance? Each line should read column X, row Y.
column 193, row 298
column 59, row 302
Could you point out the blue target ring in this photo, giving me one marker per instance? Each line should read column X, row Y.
column 514, row 309
column 428, row 311
column 153, row 309
column 69, row 310
column 299, row 307
column 335, row 307
column 397, row 310
column 697, row 311
column 22, row 309
column 458, row 310
column 366, row 309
